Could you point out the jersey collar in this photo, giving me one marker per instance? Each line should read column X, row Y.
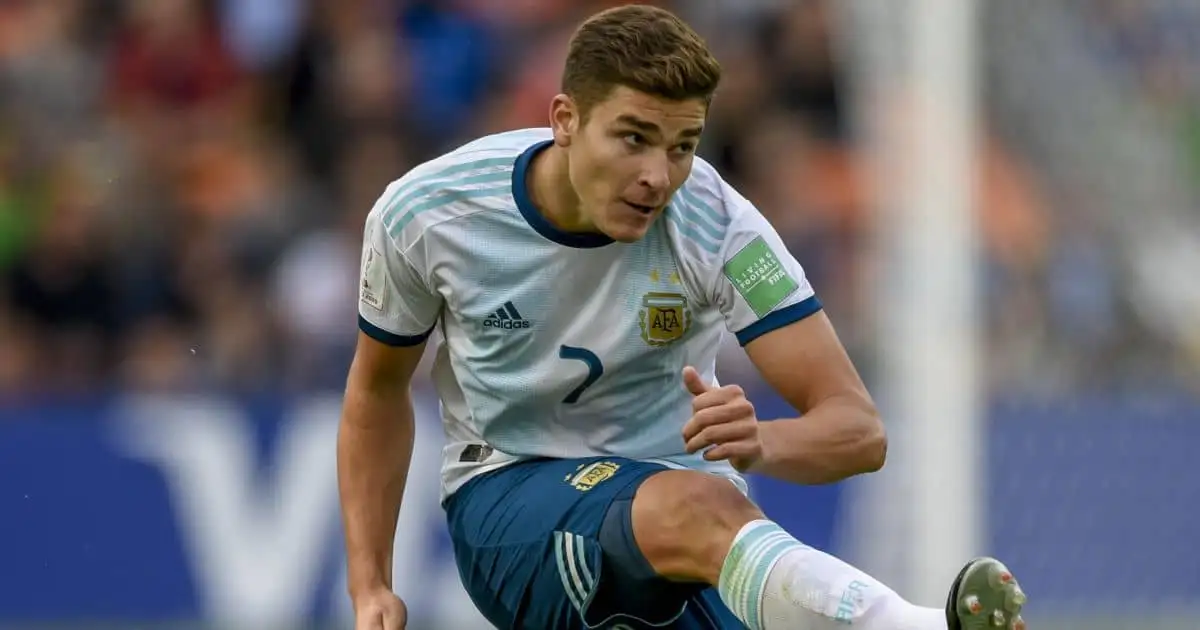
column 520, row 188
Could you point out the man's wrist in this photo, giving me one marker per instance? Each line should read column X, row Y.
column 368, row 583
column 769, row 439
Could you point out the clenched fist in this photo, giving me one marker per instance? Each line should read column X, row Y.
column 723, row 422
column 379, row 610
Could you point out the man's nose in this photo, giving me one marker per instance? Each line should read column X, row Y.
column 655, row 173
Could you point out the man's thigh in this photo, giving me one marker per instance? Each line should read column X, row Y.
column 530, row 550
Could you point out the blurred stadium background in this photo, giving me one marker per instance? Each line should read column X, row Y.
column 997, row 200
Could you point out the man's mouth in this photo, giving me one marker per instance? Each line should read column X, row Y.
column 644, row 209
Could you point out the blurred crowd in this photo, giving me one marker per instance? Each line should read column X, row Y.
column 183, row 182
column 1154, row 45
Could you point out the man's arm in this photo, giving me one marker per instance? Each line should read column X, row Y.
column 840, row 433
column 769, row 305
column 397, row 310
column 375, row 442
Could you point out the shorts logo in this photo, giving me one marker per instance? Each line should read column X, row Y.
column 664, row 318
column 588, row 476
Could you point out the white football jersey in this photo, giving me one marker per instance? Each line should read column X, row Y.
column 563, row 345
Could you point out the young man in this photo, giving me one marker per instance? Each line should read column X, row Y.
column 580, row 277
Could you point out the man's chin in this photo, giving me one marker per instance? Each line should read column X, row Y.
column 627, row 238
column 630, row 227
column 627, row 233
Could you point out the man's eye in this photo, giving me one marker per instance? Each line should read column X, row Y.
column 634, row 139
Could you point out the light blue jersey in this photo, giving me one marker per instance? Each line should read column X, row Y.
column 564, row 345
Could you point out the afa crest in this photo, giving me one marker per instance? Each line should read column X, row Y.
column 588, row 476
column 664, row 318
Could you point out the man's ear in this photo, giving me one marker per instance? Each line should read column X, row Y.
column 564, row 119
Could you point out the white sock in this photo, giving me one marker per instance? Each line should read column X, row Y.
column 771, row 581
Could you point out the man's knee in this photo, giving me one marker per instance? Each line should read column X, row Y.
column 684, row 523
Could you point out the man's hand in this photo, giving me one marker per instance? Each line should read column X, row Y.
column 380, row 610
column 724, row 420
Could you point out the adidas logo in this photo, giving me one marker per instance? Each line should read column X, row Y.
column 507, row 318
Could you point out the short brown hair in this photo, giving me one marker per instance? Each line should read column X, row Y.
column 640, row 47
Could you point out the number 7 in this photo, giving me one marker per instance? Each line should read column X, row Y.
column 595, row 369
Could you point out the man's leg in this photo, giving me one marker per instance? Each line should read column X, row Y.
column 537, row 550
column 690, row 526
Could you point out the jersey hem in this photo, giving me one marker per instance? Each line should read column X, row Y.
column 779, row 319
column 391, row 338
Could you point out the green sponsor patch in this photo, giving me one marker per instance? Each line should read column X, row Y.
column 757, row 274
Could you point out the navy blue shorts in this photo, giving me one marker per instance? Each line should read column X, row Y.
column 527, row 540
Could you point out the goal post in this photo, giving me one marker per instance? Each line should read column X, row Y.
column 913, row 70
column 936, row 354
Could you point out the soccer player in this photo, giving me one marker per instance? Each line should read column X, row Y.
column 579, row 278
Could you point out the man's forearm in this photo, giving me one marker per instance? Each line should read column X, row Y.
column 835, row 440
column 375, row 443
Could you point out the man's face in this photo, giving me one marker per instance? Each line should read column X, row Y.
column 629, row 158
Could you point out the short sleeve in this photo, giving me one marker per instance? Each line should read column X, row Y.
column 757, row 284
column 395, row 304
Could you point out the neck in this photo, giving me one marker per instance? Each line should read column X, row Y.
column 551, row 191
